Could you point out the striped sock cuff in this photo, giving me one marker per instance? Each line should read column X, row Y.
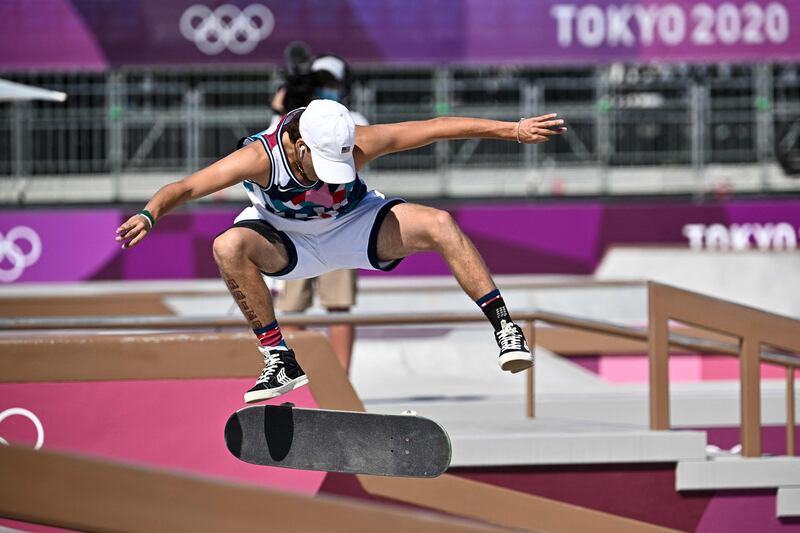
column 262, row 330
column 488, row 298
column 269, row 335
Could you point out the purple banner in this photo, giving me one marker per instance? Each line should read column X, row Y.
column 88, row 34
column 547, row 238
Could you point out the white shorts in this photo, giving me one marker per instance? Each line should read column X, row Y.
column 321, row 245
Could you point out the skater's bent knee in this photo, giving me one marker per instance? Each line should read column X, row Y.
column 229, row 245
column 442, row 227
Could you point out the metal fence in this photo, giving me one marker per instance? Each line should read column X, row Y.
column 139, row 121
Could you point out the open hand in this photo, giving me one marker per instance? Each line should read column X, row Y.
column 133, row 231
column 536, row 130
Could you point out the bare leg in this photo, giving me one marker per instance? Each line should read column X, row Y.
column 411, row 228
column 341, row 337
column 241, row 254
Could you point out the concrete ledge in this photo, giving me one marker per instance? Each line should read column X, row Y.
column 788, row 502
column 738, row 473
column 590, row 447
column 492, row 433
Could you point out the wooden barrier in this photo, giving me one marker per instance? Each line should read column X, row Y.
column 148, row 298
column 570, row 334
column 95, row 305
column 754, row 329
column 82, row 358
column 72, row 491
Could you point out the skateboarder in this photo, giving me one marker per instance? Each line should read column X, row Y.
column 312, row 213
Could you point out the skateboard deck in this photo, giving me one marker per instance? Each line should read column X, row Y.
column 338, row 441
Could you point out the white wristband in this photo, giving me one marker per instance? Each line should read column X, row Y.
column 518, row 125
column 149, row 222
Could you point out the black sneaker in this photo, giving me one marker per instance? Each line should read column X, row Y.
column 281, row 374
column 515, row 356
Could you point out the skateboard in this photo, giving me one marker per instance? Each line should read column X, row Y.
column 338, row 441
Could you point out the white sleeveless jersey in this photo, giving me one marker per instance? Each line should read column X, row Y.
column 285, row 197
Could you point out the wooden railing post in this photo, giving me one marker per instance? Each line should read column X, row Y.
column 750, row 394
column 790, row 446
column 658, row 352
column 531, row 381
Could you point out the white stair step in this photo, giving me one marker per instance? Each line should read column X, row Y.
column 496, row 433
column 736, row 472
column 788, row 501
column 561, row 447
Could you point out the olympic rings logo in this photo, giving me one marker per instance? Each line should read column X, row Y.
column 227, row 27
column 19, row 411
column 10, row 250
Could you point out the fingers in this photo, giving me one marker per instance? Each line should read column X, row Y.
column 133, row 237
column 133, row 231
column 126, row 231
column 540, row 129
column 551, row 132
column 136, row 240
column 549, row 123
column 129, row 225
column 128, row 234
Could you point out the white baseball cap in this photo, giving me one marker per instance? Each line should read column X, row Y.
column 331, row 64
column 330, row 133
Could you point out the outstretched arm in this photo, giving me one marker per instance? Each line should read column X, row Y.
column 250, row 162
column 375, row 141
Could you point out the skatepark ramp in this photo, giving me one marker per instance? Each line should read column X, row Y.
column 82, row 357
column 562, row 334
column 679, row 320
column 768, row 280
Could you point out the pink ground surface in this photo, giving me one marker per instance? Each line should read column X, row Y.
column 682, row 368
column 177, row 424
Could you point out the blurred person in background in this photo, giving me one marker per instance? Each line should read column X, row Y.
column 329, row 79
column 311, row 213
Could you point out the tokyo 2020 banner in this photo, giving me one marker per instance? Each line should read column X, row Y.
column 87, row 34
column 552, row 238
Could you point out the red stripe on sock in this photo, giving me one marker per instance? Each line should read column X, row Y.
column 490, row 301
column 272, row 337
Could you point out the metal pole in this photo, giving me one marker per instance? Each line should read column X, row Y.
column 790, row 440
column 192, row 125
column 115, row 126
column 699, row 117
column 443, row 98
column 763, row 110
column 531, row 104
column 18, row 133
column 603, row 127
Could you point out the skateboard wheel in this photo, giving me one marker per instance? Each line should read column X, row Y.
column 409, row 412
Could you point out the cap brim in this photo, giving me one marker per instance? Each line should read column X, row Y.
column 334, row 171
